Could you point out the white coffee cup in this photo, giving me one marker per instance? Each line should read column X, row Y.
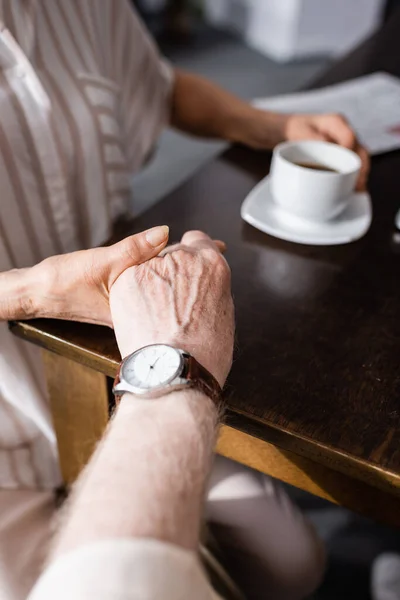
column 316, row 195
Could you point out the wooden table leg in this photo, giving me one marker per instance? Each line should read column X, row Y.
column 80, row 409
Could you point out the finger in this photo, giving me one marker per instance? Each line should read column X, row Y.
column 203, row 244
column 170, row 249
column 222, row 247
column 339, row 131
column 135, row 250
column 194, row 236
column 198, row 240
column 365, row 168
column 140, row 247
column 314, row 134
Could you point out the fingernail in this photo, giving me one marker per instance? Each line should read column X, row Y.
column 157, row 235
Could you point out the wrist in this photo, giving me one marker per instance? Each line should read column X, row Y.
column 20, row 295
column 55, row 284
column 261, row 130
column 42, row 288
column 184, row 408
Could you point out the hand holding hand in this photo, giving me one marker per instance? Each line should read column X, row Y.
column 76, row 286
column 182, row 298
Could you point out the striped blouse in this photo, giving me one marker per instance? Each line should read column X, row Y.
column 83, row 97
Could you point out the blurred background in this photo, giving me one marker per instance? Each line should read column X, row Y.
column 281, row 29
column 253, row 48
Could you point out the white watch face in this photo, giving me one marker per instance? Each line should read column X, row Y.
column 152, row 367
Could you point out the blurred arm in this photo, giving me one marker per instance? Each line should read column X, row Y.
column 201, row 108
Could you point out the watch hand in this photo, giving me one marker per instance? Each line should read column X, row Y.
column 152, row 366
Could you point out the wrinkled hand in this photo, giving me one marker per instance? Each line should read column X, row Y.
column 76, row 286
column 329, row 128
column 182, row 298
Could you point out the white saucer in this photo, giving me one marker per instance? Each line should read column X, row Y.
column 260, row 210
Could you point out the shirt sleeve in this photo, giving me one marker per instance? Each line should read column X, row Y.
column 125, row 570
column 145, row 79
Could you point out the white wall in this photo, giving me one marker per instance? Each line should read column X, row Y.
column 289, row 29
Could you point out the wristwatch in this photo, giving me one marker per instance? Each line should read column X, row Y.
column 156, row 370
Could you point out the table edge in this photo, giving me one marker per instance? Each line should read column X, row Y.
column 27, row 331
column 337, row 460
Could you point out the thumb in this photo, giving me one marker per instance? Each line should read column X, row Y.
column 135, row 250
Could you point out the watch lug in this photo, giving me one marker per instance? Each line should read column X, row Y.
column 117, row 388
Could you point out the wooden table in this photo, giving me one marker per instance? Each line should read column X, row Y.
column 314, row 394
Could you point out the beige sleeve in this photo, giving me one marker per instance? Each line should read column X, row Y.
column 129, row 569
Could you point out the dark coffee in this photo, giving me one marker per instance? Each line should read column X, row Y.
column 316, row 167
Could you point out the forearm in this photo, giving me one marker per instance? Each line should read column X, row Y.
column 148, row 476
column 201, row 108
column 18, row 295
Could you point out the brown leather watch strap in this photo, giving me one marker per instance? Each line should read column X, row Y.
column 202, row 380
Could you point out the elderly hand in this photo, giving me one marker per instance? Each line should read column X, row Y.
column 76, row 286
column 182, row 298
column 329, row 128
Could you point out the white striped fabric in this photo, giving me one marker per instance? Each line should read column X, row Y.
column 83, row 97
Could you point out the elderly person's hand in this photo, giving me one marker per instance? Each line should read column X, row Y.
column 182, row 298
column 76, row 286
